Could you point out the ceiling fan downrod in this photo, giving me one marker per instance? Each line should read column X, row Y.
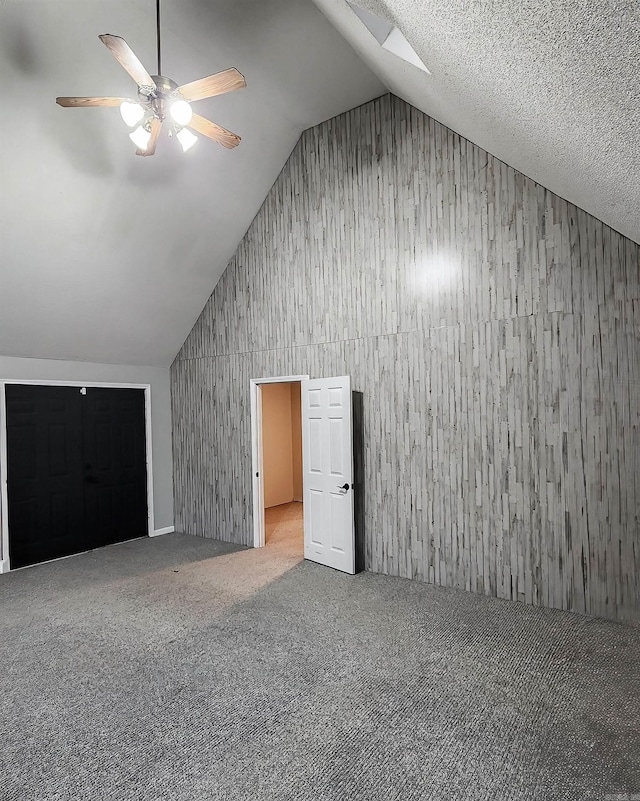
column 158, row 35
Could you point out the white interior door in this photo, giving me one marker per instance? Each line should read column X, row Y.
column 327, row 456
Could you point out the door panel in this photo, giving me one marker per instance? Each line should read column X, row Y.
column 328, row 468
column 44, row 473
column 76, row 470
column 115, row 464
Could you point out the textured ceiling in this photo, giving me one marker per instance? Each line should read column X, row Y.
column 109, row 257
column 551, row 87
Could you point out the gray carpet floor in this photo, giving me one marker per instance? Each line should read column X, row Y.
column 184, row 669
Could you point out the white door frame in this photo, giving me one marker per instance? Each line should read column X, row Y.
column 256, row 450
column 4, row 495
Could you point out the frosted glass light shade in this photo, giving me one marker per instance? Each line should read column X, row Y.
column 186, row 139
column 181, row 112
column 131, row 113
column 140, row 137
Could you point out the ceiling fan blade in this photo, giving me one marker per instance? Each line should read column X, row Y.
column 128, row 59
column 213, row 131
column 218, row 84
column 156, row 125
column 89, row 102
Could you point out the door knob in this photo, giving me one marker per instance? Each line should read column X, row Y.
column 344, row 487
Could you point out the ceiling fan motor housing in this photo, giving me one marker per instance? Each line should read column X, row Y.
column 166, row 90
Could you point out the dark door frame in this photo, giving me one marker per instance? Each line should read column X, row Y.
column 5, row 565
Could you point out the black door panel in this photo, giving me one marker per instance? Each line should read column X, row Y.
column 44, row 473
column 114, row 453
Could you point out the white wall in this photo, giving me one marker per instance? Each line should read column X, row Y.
column 15, row 368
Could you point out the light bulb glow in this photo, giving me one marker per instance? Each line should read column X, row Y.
column 140, row 137
column 131, row 113
column 186, row 139
column 181, row 112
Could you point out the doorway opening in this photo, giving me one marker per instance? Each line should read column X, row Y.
column 326, row 419
column 282, row 465
column 276, row 413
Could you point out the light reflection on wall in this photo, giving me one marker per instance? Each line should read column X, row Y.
column 437, row 271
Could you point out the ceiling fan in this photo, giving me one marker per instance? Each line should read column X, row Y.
column 160, row 98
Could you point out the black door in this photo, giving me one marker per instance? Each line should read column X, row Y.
column 114, row 454
column 44, row 473
column 76, row 470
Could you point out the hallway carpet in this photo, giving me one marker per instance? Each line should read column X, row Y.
column 184, row 669
column 284, row 527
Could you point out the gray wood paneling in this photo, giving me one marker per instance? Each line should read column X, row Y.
column 494, row 331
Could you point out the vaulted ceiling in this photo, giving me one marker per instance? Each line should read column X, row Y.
column 110, row 257
column 105, row 256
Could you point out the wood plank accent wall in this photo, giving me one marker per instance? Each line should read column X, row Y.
column 493, row 330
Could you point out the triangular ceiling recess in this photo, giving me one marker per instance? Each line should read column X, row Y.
column 389, row 37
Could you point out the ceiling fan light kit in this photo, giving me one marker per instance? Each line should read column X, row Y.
column 181, row 112
column 186, row 139
column 140, row 137
column 131, row 113
column 160, row 98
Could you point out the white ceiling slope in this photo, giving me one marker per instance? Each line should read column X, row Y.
column 551, row 87
column 109, row 257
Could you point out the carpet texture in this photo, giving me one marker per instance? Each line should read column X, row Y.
column 284, row 527
column 184, row 669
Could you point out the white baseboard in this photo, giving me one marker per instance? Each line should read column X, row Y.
column 159, row 531
column 4, row 565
